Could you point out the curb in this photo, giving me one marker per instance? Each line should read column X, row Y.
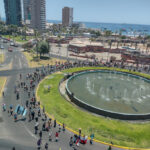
column 75, row 132
column 3, row 87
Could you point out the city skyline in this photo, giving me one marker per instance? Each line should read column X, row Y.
column 108, row 11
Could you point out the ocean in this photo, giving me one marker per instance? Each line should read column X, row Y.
column 127, row 29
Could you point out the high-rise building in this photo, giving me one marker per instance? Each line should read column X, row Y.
column 27, row 11
column 38, row 14
column 13, row 12
column 67, row 16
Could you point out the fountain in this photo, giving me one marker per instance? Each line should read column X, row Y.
column 111, row 91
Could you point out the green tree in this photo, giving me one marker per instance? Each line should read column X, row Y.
column 108, row 33
column 24, row 32
column 43, row 48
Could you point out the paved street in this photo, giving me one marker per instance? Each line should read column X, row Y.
column 21, row 133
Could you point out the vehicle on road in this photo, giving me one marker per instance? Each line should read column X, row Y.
column 1, row 47
column 12, row 44
column 15, row 45
column 10, row 49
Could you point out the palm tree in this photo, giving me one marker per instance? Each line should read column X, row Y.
column 110, row 44
column 25, row 31
column 147, row 47
column 118, row 43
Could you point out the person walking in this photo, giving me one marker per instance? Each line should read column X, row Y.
column 56, row 136
column 91, row 138
column 55, row 123
column 4, row 107
column 71, row 142
column 39, row 142
column 33, row 114
column 63, row 127
column 46, row 146
column 40, row 134
column 50, row 136
column 36, row 127
column 13, row 148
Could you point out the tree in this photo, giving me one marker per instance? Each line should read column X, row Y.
column 24, row 31
column 108, row 33
column 110, row 43
column 43, row 48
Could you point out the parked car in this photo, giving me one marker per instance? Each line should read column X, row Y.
column 10, row 49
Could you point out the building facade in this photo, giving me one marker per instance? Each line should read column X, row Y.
column 27, row 11
column 13, row 12
column 67, row 16
column 38, row 14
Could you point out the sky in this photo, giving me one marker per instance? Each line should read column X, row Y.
column 108, row 11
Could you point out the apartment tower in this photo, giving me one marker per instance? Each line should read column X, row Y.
column 27, row 11
column 13, row 12
column 38, row 14
column 67, row 16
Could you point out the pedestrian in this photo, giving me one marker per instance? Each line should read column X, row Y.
column 40, row 134
column 59, row 128
column 4, row 107
column 71, row 142
column 109, row 148
column 79, row 132
column 33, row 114
column 29, row 116
column 43, row 126
column 39, row 112
column 50, row 136
column 36, row 119
column 11, row 112
column 46, row 146
column 39, row 142
column 91, row 138
column 13, row 148
column 56, row 136
column 55, row 123
column 15, row 117
column 36, row 127
column 27, row 103
column 77, row 142
column 63, row 127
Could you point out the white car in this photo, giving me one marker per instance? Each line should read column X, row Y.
column 12, row 44
column 2, row 47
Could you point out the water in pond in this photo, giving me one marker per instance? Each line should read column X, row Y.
column 112, row 91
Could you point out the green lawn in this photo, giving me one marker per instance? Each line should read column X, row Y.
column 18, row 38
column 105, row 129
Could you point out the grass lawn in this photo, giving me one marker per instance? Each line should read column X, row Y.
column 105, row 129
column 18, row 38
column 2, row 81
column 33, row 61
column 1, row 58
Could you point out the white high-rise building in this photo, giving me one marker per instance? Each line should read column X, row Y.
column 67, row 16
column 38, row 14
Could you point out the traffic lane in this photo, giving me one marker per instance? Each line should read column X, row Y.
column 6, row 144
column 15, row 131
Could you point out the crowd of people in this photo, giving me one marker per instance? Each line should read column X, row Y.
column 42, row 123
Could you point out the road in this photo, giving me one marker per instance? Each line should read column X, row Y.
column 21, row 134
